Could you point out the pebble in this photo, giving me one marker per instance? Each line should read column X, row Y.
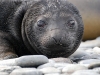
column 52, row 74
column 8, row 62
column 4, row 73
column 91, row 56
column 56, row 74
column 8, row 69
column 62, row 60
column 26, row 61
column 97, row 69
column 46, row 65
column 90, row 44
column 60, row 64
column 96, row 50
column 50, row 70
column 51, row 61
column 31, row 60
column 70, row 68
column 78, row 53
column 60, row 68
column 95, row 65
column 26, row 71
column 85, row 72
column 65, row 74
column 98, row 38
column 89, row 61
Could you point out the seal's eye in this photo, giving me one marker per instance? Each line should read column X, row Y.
column 71, row 23
column 41, row 23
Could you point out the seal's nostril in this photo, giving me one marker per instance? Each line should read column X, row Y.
column 56, row 42
column 59, row 42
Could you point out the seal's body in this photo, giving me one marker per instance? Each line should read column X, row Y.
column 50, row 27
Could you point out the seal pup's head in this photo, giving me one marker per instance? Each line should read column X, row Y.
column 53, row 28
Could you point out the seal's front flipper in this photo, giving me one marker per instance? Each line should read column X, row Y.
column 6, row 47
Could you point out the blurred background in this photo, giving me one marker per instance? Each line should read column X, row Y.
column 90, row 11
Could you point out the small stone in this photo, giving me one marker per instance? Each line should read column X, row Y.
column 94, row 65
column 86, row 44
column 89, row 51
column 91, row 56
column 4, row 73
column 51, row 61
column 89, row 61
column 65, row 74
column 85, row 72
column 62, row 60
column 60, row 64
column 50, row 70
column 46, row 65
column 97, row 69
column 96, row 50
column 52, row 74
column 8, row 69
column 72, row 68
column 98, row 38
column 26, row 61
column 78, row 53
column 8, row 62
column 26, row 71
column 60, row 68
column 31, row 60
column 90, row 44
column 56, row 74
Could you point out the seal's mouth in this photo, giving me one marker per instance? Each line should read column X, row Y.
column 57, row 49
column 54, row 43
column 54, row 52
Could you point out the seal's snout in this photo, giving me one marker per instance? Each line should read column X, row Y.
column 56, row 43
column 56, row 40
column 59, row 41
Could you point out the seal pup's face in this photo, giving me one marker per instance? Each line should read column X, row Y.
column 53, row 28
